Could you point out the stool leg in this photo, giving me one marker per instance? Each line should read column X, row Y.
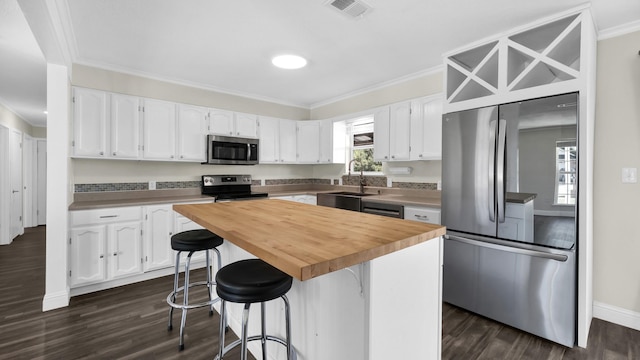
column 209, row 287
column 288, row 324
column 175, row 290
column 185, row 300
column 222, row 329
column 263, row 327
column 218, row 266
column 245, row 326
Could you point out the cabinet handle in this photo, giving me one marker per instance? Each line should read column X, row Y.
column 181, row 156
column 101, row 256
column 393, row 156
column 115, row 254
column 114, row 154
column 230, row 132
column 420, row 155
column 422, row 217
column 108, row 216
column 171, row 156
column 386, row 157
column 101, row 152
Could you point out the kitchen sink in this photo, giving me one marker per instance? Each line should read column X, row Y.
column 347, row 200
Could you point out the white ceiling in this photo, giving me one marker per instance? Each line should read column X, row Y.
column 227, row 45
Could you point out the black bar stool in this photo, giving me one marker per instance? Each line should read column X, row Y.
column 192, row 241
column 251, row 281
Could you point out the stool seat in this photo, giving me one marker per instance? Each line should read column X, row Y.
column 251, row 281
column 195, row 240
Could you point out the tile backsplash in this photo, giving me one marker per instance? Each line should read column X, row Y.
column 376, row 181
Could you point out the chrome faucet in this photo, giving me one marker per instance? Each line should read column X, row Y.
column 363, row 180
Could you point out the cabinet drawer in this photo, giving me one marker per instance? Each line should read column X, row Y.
column 427, row 215
column 105, row 216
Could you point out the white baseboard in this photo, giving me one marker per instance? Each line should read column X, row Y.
column 616, row 315
column 56, row 300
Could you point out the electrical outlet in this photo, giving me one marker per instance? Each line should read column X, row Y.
column 152, row 185
column 629, row 175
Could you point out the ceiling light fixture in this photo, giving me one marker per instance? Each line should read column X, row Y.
column 289, row 61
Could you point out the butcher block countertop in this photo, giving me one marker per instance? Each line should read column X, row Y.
column 306, row 241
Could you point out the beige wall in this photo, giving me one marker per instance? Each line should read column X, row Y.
column 617, row 145
column 9, row 119
column 135, row 85
column 422, row 86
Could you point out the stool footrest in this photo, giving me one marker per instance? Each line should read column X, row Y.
column 190, row 306
column 294, row 354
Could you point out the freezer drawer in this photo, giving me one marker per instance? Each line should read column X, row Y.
column 529, row 288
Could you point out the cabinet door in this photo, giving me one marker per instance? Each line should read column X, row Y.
column 326, row 141
column 125, row 253
column 87, row 254
column 90, row 120
column 381, row 134
column 192, row 130
column 399, row 131
column 269, row 144
column 288, row 141
column 159, row 130
column 308, row 142
column 158, row 229
column 125, row 126
column 246, row 125
column 426, row 129
column 221, row 122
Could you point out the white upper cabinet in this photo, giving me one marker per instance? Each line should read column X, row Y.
column 333, row 141
column 105, row 125
column 308, row 142
column 246, row 125
column 277, row 140
column 381, row 130
column 426, row 128
column 125, row 126
column 192, row 129
column 288, row 141
column 159, row 121
column 229, row 123
column 392, row 126
column 90, row 121
column 221, row 122
column 542, row 60
column 400, row 130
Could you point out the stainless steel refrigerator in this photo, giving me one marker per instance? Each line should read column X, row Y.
column 509, row 200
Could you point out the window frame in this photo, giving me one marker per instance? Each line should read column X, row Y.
column 366, row 124
column 566, row 145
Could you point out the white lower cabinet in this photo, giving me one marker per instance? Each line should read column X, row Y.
column 158, row 228
column 105, row 244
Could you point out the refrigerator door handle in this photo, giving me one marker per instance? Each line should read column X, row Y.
column 492, row 164
column 502, row 138
column 516, row 250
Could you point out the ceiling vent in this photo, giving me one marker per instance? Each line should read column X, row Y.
column 352, row 8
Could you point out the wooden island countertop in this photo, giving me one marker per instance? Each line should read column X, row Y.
column 306, row 241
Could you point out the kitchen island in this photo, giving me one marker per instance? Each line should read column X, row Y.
column 367, row 287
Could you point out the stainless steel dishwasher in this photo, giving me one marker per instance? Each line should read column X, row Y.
column 384, row 209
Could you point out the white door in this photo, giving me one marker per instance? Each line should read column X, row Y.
column 42, row 182
column 89, row 123
column 192, row 130
column 246, row 125
column 88, row 254
column 381, row 134
column 269, row 146
column 399, row 131
column 28, row 186
column 15, row 159
column 158, row 229
column 125, row 253
column 125, row 126
column 159, row 130
column 308, row 142
column 221, row 122
column 288, row 141
column 5, row 192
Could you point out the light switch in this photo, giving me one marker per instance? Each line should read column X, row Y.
column 630, row 175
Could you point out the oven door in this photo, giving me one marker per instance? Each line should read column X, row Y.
column 231, row 150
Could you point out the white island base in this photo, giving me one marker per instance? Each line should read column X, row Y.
column 387, row 308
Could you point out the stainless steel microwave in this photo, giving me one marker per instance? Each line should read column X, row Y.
column 227, row 150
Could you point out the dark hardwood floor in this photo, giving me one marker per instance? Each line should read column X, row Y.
column 130, row 322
